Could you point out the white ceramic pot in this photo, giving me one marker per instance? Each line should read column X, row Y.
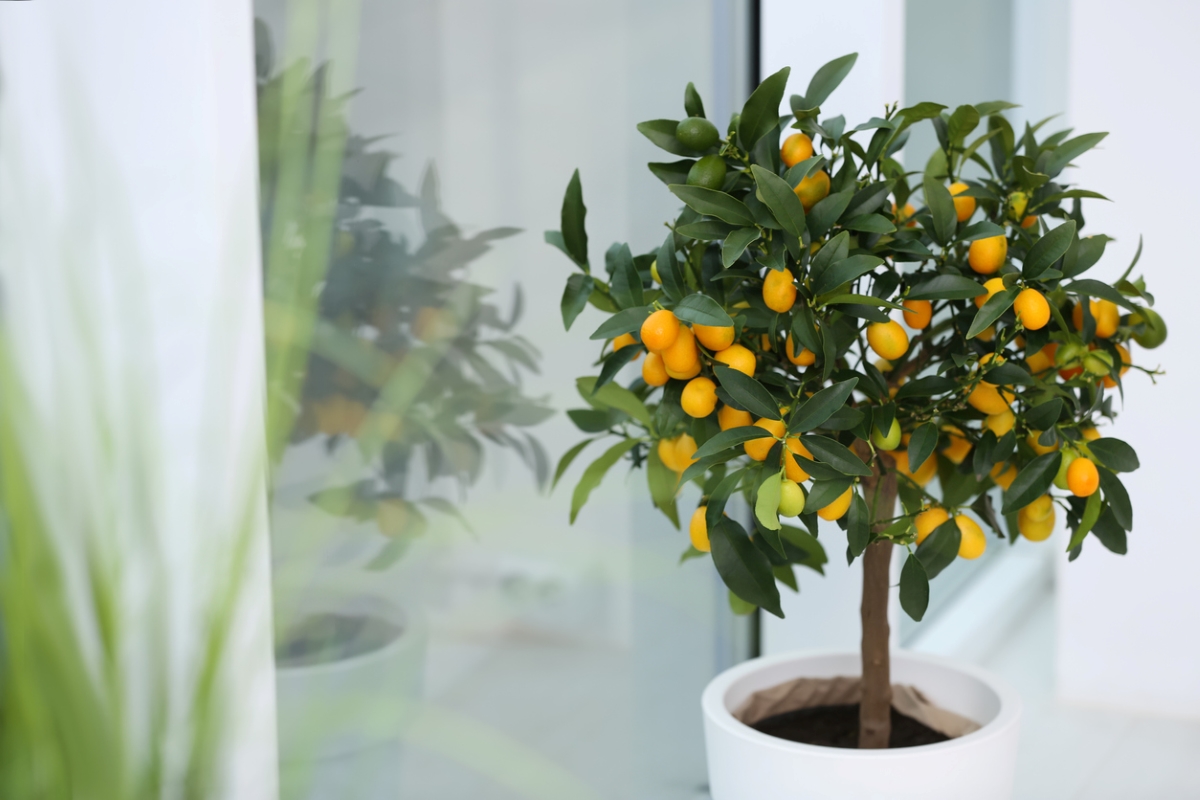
column 745, row 764
column 340, row 722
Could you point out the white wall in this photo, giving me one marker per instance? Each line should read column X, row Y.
column 129, row 257
column 805, row 35
column 1129, row 634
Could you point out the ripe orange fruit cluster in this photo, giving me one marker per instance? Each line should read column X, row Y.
column 677, row 453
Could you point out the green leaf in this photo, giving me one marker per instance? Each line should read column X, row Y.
column 1062, row 155
column 836, row 455
column 729, row 438
column 992, row 310
column 870, row 223
column 671, row 172
column 761, row 112
column 747, row 392
column 1092, row 288
column 355, row 500
column 614, row 362
column 927, row 386
column 844, row 271
column 802, row 540
column 742, row 566
column 700, row 309
column 940, row 548
column 828, row 78
column 863, row 299
column 575, row 297
column 858, row 526
column 833, row 251
column 708, row 230
column 914, row 588
column 946, row 287
column 1032, row 482
column 1009, row 374
column 921, row 445
column 736, row 243
column 739, row 606
column 626, row 321
column 1044, row 415
column 780, row 198
column 1048, row 249
column 614, row 396
column 983, row 229
column 1091, row 513
column 692, row 104
column 786, row 574
column 941, row 208
column 964, row 120
column 714, row 204
column 1115, row 454
column 824, row 492
column 595, row 473
column 626, row 283
column 1117, row 497
column 827, row 211
column 662, row 133
column 766, row 507
column 662, row 483
column 993, row 107
column 1109, row 532
column 567, row 458
column 1088, row 251
column 573, row 213
column 814, row 411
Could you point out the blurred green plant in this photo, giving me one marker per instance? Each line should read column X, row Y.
column 371, row 338
column 774, row 353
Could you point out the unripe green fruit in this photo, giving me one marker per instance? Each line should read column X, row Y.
column 708, row 172
column 791, row 499
column 1060, row 480
column 889, row 442
column 697, row 133
column 1068, row 353
column 1017, row 202
column 1154, row 329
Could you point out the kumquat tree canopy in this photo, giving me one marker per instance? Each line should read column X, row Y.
column 825, row 332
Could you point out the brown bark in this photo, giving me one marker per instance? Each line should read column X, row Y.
column 874, row 720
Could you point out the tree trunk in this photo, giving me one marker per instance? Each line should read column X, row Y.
column 875, row 720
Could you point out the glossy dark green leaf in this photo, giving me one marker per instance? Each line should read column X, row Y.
column 692, row 104
column 914, row 588
column 1088, row 251
column 736, row 243
column 1043, row 416
column 1115, row 454
column 700, row 309
column 1032, row 482
column 1048, row 249
column 742, row 566
column 870, row 223
column 1091, row 514
column 1110, row 533
column 940, row 548
column 672, row 172
column 827, row 211
column 594, row 474
column 1009, row 374
column 761, row 112
column 983, row 229
column 1117, row 498
column 833, row 251
column 575, row 297
column 626, row 321
column 941, row 208
column 946, row 287
column 813, row 553
column 1092, row 288
column 824, row 492
column 862, row 299
column 964, row 120
column 844, row 271
column 714, row 204
column 1062, row 155
column 858, row 526
column 626, row 283
column 835, row 454
column 992, row 310
column 614, row 362
column 729, row 438
column 662, row 133
column 669, row 273
column 708, row 230
column 593, row 420
column 816, row 410
column 921, row 446
column 574, row 234
column 828, row 78
column 928, row 386
column 749, row 393
column 779, row 197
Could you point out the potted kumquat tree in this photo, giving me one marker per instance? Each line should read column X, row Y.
column 825, row 334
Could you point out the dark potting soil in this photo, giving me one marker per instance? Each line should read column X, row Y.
column 837, row 726
column 322, row 638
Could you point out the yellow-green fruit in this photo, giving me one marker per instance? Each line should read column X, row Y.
column 889, row 442
column 654, row 271
column 1017, row 203
column 1060, row 480
column 697, row 133
column 1154, row 329
column 791, row 499
column 708, row 172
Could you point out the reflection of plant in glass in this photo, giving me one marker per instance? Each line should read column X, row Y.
column 787, row 264
column 405, row 357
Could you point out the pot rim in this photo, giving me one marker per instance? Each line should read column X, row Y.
column 712, row 702
column 410, row 634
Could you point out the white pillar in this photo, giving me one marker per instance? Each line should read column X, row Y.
column 1128, row 632
column 129, row 258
